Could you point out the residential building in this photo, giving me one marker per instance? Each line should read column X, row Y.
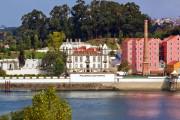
column 83, row 57
column 11, row 66
column 133, row 53
column 170, row 49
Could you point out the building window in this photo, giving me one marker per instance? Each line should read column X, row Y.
column 105, row 58
column 99, row 59
column 105, row 66
column 76, row 59
column 99, row 66
column 81, row 65
column 94, row 66
column 87, row 58
column 94, row 58
column 81, row 59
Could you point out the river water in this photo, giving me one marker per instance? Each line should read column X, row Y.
column 107, row 105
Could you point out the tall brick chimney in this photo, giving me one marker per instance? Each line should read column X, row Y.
column 146, row 70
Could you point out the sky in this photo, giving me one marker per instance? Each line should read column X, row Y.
column 11, row 11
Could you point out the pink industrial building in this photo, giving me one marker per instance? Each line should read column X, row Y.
column 132, row 51
column 171, row 49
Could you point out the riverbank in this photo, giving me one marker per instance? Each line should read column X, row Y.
column 120, row 86
column 86, row 82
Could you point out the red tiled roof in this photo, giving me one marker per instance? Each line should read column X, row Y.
column 86, row 51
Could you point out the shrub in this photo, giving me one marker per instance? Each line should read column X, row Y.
column 2, row 72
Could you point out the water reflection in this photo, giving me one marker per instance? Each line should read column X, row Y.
column 144, row 106
column 107, row 105
column 172, row 103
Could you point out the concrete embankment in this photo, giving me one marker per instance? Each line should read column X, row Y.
column 117, row 83
column 120, row 86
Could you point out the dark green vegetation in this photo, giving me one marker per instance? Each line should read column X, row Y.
column 124, row 66
column 54, row 61
column 45, row 106
column 103, row 19
column 2, row 72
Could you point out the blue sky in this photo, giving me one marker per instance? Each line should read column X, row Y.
column 12, row 10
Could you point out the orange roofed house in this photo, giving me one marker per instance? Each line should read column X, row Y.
column 132, row 52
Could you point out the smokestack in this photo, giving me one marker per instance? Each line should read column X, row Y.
column 145, row 40
column 145, row 68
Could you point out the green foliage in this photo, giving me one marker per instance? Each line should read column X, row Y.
column 45, row 106
column 21, row 58
column 4, row 117
column 98, row 19
column 17, row 115
column 112, row 53
column 54, row 62
column 124, row 66
column 48, row 106
column 86, row 21
column 2, row 72
column 55, row 40
column 59, row 66
column 30, row 54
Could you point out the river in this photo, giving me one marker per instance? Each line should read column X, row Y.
column 106, row 105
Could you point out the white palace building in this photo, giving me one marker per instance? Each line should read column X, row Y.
column 83, row 57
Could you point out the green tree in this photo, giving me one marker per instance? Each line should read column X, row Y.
column 59, row 66
column 4, row 117
column 59, row 19
column 21, row 58
column 48, row 106
column 79, row 17
column 54, row 62
column 34, row 25
column 124, row 66
column 36, row 42
column 55, row 40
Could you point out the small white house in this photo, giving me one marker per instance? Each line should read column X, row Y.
column 11, row 66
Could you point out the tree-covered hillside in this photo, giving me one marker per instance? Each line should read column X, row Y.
column 85, row 21
column 99, row 19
